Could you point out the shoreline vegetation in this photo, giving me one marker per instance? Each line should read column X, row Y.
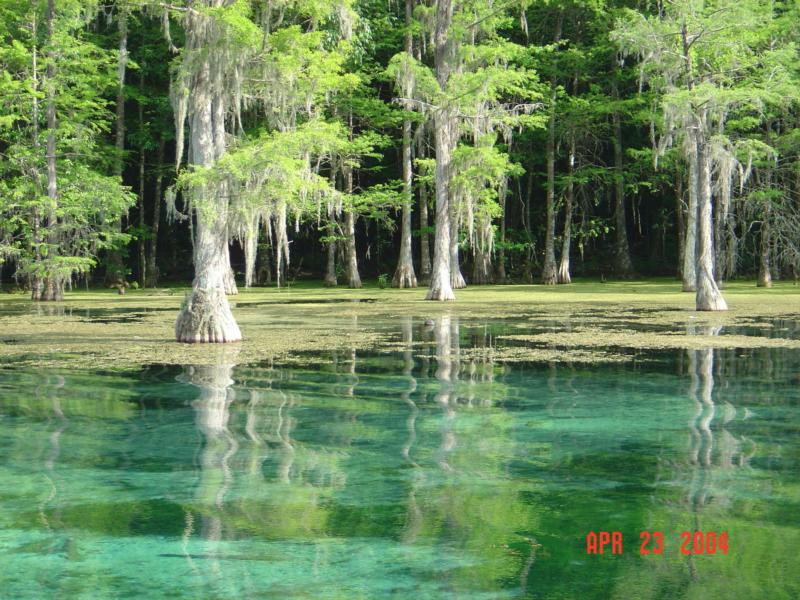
column 586, row 322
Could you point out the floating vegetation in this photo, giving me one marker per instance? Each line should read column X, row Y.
column 584, row 323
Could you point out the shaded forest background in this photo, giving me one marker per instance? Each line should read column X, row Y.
column 589, row 151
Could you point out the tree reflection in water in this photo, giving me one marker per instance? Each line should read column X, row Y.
column 219, row 445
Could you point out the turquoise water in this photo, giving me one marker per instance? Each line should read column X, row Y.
column 424, row 471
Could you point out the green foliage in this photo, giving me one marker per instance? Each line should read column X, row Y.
column 61, row 236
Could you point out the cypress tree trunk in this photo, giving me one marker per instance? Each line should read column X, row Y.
column 140, row 200
column 152, row 266
column 679, row 222
column 424, row 238
column 482, row 272
column 351, row 258
column 404, row 276
column 122, row 64
column 764, row 274
column 206, row 315
column 229, row 279
column 35, row 280
column 142, row 256
column 549, row 273
column 330, row 267
column 115, row 267
column 708, row 295
column 623, row 266
column 445, row 132
column 482, row 268
column 456, row 278
column 689, row 271
column 51, row 285
column 563, row 268
column 500, row 268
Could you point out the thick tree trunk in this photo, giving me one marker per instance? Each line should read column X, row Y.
column 206, row 315
column 549, row 271
column 569, row 199
column 623, row 267
column 708, row 295
column 456, row 278
column 404, row 276
column 689, row 271
column 445, row 136
column 482, row 267
column 152, row 261
column 440, row 288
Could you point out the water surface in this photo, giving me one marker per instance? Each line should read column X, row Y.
column 422, row 470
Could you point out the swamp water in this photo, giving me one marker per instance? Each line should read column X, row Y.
column 423, row 467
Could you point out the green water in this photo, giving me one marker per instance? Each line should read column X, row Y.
column 424, row 471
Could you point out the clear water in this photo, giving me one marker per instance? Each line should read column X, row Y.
column 419, row 472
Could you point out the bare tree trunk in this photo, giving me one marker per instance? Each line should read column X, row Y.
column 549, row 272
column 563, row 268
column 764, row 274
column 623, row 267
column 549, row 269
column 140, row 200
column 404, row 276
column 424, row 239
column 482, row 267
column 445, row 136
column 229, row 278
column 679, row 222
column 351, row 258
column 281, row 244
column 482, row 272
column 500, row 268
column 330, row 267
column 456, row 278
column 152, row 266
column 115, row 269
column 206, row 315
column 689, row 271
column 708, row 295
column 122, row 64
column 142, row 256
